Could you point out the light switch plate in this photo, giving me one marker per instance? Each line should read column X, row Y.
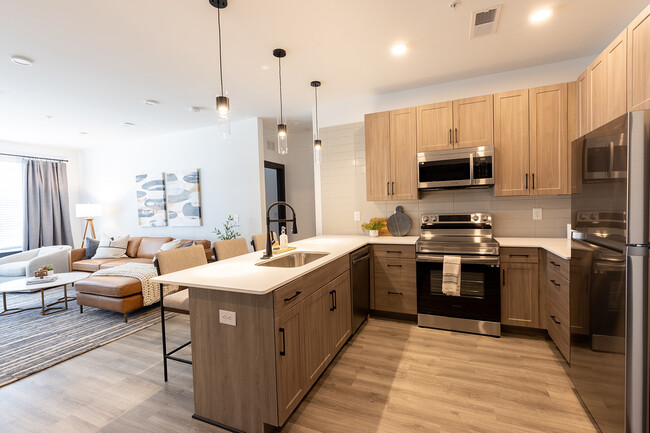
column 236, row 217
column 357, row 215
column 228, row 317
column 537, row 213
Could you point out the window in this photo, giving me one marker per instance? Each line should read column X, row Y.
column 11, row 205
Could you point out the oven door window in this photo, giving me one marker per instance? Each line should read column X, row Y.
column 480, row 292
column 441, row 171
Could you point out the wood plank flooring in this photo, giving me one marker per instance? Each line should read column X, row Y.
column 391, row 377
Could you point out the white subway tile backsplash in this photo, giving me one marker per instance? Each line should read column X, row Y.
column 343, row 191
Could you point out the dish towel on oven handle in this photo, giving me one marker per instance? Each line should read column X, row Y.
column 451, row 276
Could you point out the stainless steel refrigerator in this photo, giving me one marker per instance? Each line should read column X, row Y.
column 610, row 249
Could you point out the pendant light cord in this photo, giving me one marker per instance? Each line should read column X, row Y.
column 220, row 61
column 316, row 97
column 280, row 74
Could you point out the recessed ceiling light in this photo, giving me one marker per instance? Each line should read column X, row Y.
column 22, row 61
column 398, row 49
column 83, row 133
column 128, row 124
column 540, row 15
column 266, row 67
column 150, row 102
column 48, row 117
column 195, row 109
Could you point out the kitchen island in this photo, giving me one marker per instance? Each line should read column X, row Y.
column 262, row 335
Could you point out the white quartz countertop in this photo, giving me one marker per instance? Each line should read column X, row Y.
column 558, row 246
column 239, row 274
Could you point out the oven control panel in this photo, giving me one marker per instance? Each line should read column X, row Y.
column 443, row 219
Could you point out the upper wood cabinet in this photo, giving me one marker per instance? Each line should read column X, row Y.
column 435, row 124
column 597, row 72
column 638, row 62
column 511, row 143
column 616, row 63
column 473, row 121
column 548, row 139
column 378, row 155
column 391, row 155
column 584, row 104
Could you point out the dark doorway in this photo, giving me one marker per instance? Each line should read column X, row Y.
column 275, row 191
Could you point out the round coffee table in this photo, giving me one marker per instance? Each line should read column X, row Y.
column 20, row 285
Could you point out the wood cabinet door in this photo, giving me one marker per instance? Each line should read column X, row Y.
column 473, row 121
column 638, row 62
column 511, row 143
column 341, row 316
column 616, row 63
column 317, row 309
column 548, row 140
column 584, row 104
column 289, row 361
column 404, row 180
column 435, row 125
column 598, row 91
column 377, row 127
column 520, row 294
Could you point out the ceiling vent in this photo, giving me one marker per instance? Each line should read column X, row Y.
column 485, row 21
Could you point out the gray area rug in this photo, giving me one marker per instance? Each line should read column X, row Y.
column 30, row 342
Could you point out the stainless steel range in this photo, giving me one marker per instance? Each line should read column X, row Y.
column 478, row 307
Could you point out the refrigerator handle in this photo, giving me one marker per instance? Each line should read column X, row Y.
column 636, row 341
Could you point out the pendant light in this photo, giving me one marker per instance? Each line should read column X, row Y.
column 283, row 147
column 223, row 103
column 317, row 142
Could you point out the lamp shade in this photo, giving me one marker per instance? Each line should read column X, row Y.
column 87, row 210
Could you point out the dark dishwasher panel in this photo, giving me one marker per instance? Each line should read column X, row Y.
column 360, row 280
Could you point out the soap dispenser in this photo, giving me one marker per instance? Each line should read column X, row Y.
column 284, row 239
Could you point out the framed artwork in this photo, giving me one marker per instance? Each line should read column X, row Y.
column 150, row 192
column 183, row 198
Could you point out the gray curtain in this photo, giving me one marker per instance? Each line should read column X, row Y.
column 47, row 207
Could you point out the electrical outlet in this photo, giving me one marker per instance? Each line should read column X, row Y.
column 228, row 317
column 236, row 217
column 357, row 215
column 537, row 213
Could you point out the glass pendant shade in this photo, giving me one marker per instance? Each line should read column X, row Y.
column 283, row 146
column 223, row 116
column 223, row 106
column 317, row 151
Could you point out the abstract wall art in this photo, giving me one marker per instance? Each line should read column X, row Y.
column 150, row 191
column 183, row 198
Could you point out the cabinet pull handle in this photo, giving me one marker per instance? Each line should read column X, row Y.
column 293, row 297
column 395, row 293
column 394, row 266
column 526, row 181
column 554, row 264
column 555, row 320
column 450, row 138
column 503, row 271
column 335, row 303
column 283, row 351
column 393, row 188
column 533, row 180
column 556, row 284
column 393, row 252
column 456, row 132
column 518, row 255
column 387, row 188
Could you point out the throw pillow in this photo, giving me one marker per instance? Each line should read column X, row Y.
column 171, row 245
column 13, row 269
column 91, row 248
column 111, row 247
column 186, row 244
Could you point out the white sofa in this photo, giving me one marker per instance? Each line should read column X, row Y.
column 24, row 264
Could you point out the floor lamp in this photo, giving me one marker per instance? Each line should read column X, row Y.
column 88, row 211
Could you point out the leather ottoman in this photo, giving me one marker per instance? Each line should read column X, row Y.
column 119, row 294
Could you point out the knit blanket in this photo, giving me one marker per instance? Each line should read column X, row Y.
column 143, row 272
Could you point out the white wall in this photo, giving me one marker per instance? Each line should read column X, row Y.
column 229, row 172
column 72, row 155
column 340, row 179
column 299, row 175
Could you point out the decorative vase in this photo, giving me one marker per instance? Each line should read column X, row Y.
column 50, row 273
column 374, row 233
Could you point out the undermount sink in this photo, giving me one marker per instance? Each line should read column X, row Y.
column 292, row 260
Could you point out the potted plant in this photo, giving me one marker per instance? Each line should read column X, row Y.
column 50, row 270
column 373, row 227
column 229, row 231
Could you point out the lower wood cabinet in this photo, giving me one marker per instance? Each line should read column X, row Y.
column 309, row 335
column 558, row 303
column 394, row 279
column 520, row 294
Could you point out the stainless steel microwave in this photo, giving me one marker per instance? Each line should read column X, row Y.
column 605, row 158
column 458, row 168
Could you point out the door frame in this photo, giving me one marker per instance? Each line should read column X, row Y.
column 282, row 192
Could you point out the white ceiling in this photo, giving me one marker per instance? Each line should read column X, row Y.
column 95, row 61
